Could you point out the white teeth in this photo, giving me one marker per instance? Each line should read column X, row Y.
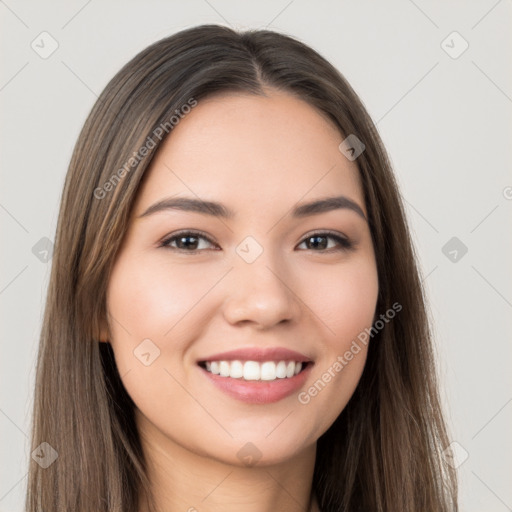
column 268, row 371
column 236, row 370
column 224, row 369
column 253, row 370
column 281, row 370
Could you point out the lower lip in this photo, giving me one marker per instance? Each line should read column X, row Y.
column 259, row 391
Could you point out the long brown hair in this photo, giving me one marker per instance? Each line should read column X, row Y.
column 384, row 451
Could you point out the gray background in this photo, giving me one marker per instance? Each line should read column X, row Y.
column 445, row 119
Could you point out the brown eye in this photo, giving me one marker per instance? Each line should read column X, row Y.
column 319, row 242
column 195, row 242
column 186, row 241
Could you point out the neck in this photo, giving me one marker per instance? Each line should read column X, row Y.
column 183, row 480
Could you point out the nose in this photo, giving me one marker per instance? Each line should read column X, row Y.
column 260, row 293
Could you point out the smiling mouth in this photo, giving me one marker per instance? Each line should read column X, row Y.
column 255, row 370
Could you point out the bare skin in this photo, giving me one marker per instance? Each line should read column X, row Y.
column 260, row 157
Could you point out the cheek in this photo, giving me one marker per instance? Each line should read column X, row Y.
column 152, row 300
column 345, row 304
column 345, row 298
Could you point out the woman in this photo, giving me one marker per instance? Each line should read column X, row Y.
column 235, row 317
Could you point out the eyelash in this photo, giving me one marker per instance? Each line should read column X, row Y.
column 344, row 243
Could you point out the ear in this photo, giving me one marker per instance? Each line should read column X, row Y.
column 103, row 332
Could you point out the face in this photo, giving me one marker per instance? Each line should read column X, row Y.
column 271, row 284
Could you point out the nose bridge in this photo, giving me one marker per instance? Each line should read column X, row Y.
column 259, row 290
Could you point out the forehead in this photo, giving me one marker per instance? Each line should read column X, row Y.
column 245, row 150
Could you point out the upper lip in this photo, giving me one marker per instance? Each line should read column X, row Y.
column 258, row 354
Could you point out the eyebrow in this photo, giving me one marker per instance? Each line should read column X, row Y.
column 216, row 209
